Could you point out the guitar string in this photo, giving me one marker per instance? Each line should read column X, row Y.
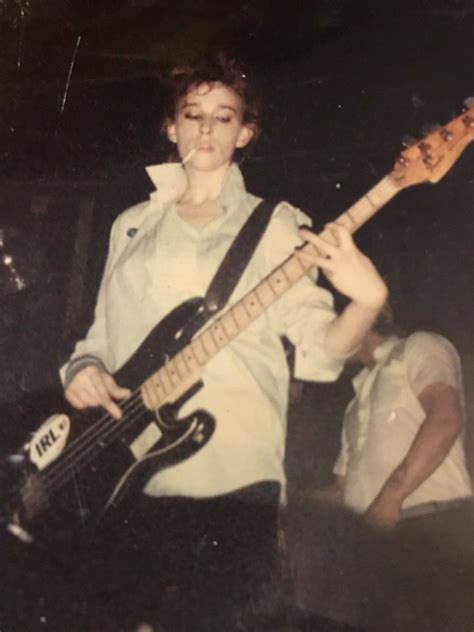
column 86, row 442
column 102, row 428
column 89, row 436
column 76, row 453
column 55, row 465
column 58, row 479
column 72, row 452
column 74, row 449
column 106, row 418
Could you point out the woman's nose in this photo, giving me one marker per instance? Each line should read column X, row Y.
column 206, row 125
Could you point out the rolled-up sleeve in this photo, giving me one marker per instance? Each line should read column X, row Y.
column 431, row 359
column 306, row 323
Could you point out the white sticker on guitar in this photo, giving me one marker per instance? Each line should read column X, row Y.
column 147, row 439
column 49, row 440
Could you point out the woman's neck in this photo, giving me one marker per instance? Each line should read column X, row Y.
column 203, row 185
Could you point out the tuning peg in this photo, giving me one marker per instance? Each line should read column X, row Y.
column 428, row 128
column 408, row 141
column 469, row 102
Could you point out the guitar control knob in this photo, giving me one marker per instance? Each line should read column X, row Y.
column 468, row 121
column 198, row 437
column 446, row 134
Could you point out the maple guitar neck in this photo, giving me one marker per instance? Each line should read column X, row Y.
column 426, row 161
column 184, row 369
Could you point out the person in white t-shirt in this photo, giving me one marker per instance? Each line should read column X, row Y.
column 402, row 448
column 402, row 465
column 221, row 504
column 391, row 538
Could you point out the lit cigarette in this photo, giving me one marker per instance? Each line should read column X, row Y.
column 188, row 156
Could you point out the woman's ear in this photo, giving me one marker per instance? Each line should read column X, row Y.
column 245, row 136
column 171, row 131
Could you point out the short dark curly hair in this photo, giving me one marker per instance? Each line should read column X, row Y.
column 385, row 325
column 217, row 68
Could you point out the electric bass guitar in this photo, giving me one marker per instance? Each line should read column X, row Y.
column 77, row 467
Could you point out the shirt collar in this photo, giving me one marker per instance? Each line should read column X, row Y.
column 169, row 180
column 381, row 353
column 384, row 349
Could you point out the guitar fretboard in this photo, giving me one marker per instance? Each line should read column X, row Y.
column 183, row 370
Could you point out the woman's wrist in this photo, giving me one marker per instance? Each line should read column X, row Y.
column 80, row 363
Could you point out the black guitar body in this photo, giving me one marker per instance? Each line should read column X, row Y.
column 97, row 472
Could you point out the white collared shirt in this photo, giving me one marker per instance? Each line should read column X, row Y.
column 383, row 418
column 156, row 261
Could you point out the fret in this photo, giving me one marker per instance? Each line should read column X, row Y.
column 265, row 294
column 153, row 393
column 252, row 304
column 166, row 380
column 348, row 220
column 147, row 394
column 199, row 351
column 158, row 386
column 278, row 282
column 358, row 213
column 209, row 343
column 293, row 269
column 173, row 372
column 229, row 324
column 241, row 315
column 144, row 394
column 232, row 313
column 368, row 205
column 190, row 358
column 157, row 391
column 285, row 276
column 218, row 333
column 181, row 365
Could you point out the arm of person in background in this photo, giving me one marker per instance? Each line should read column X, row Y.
column 332, row 494
column 434, row 439
column 355, row 276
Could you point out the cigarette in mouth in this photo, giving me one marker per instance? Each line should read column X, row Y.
column 188, row 156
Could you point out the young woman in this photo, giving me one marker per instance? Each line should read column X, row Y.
column 218, row 509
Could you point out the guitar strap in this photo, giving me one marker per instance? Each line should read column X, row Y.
column 238, row 256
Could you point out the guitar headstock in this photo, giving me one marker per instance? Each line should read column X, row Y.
column 431, row 158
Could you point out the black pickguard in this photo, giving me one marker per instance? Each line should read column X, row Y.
column 96, row 471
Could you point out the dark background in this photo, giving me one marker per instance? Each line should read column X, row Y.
column 343, row 83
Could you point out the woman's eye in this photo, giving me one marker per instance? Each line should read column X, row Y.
column 195, row 116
